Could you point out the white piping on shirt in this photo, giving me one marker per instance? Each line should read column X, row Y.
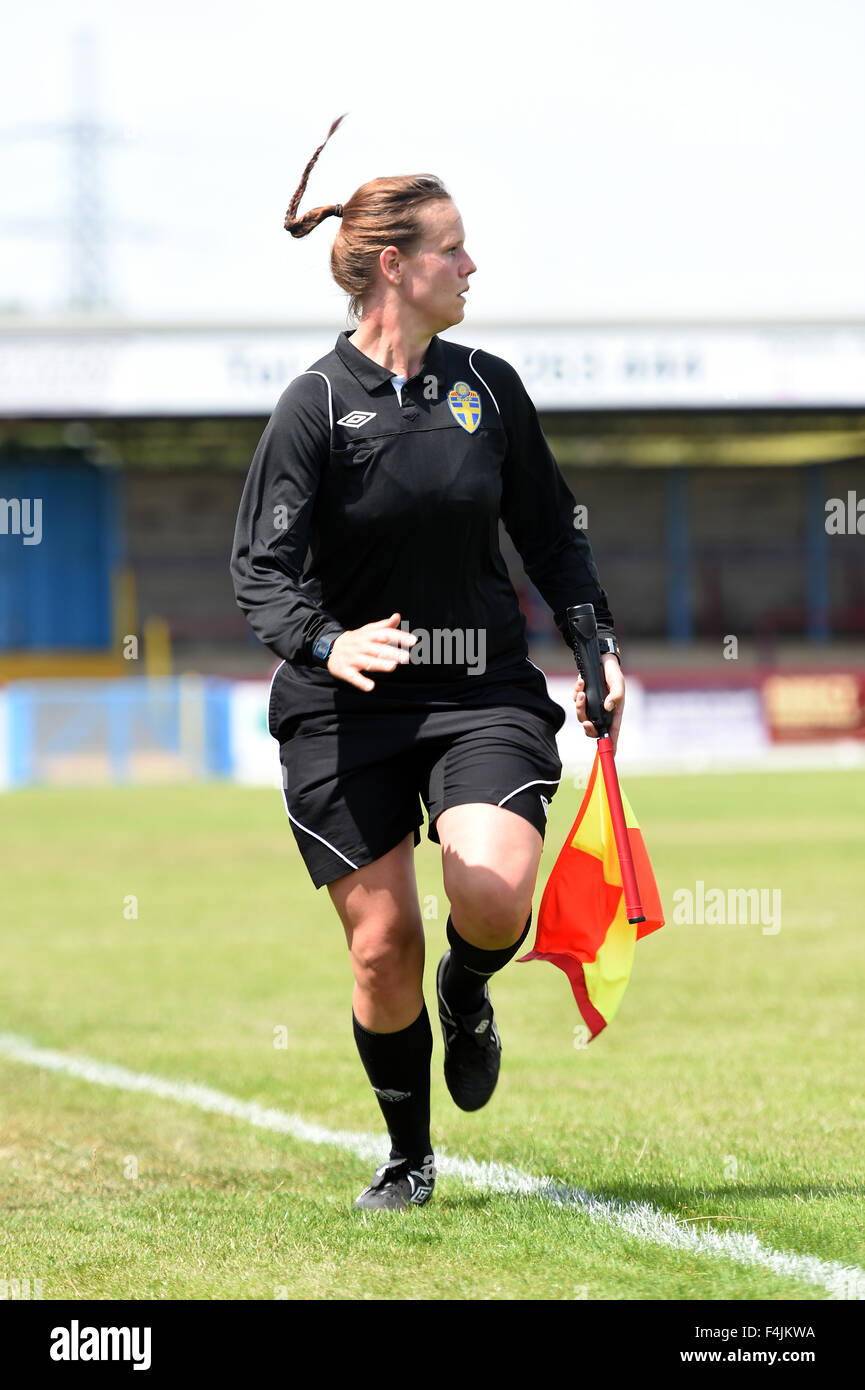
column 480, row 378
column 270, row 694
column 312, row 372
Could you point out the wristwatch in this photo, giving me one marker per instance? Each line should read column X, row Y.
column 610, row 644
column 322, row 646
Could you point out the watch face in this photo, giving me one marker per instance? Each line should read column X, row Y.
column 321, row 648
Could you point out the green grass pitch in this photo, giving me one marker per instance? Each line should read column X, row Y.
column 727, row 1091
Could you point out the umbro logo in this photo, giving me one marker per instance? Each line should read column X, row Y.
column 546, row 805
column 387, row 1094
column 355, row 418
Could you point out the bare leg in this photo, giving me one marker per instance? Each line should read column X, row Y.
column 380, row 913
column 490, row 859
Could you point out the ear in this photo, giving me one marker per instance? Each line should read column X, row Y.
column 390, row 261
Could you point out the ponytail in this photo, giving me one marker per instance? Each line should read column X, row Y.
column 302, row 226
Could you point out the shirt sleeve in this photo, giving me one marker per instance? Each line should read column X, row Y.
column 538, row 510
column 271, row 538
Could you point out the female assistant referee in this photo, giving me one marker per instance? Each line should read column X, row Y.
column 366, row 555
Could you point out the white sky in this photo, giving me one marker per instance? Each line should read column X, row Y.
column 611, row 158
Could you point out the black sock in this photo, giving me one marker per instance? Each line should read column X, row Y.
column 398, row 1066
column 469, row 968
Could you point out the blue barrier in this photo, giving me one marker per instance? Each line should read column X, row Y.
column 137, row 729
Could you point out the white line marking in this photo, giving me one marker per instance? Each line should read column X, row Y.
column 639, row 1219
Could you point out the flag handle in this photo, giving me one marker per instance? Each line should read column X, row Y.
column 584, row 641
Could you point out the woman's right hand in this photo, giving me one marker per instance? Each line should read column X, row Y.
column 378, row 646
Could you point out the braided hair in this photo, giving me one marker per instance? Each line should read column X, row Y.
column 383, row 212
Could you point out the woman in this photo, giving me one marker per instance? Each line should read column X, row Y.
column 366, row 555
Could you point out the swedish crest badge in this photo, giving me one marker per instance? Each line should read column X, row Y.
column 465, row 406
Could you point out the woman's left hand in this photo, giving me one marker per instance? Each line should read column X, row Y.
column 615, row 699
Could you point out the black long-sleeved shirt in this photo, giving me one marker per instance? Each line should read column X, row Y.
column 362, row 501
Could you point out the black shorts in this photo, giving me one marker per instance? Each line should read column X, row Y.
column 353, row 782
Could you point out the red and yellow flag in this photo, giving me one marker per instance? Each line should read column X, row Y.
column 582, row 923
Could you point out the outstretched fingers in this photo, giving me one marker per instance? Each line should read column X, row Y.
column 377, row 646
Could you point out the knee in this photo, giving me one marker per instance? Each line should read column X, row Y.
column 484, row 902
column 388, row 958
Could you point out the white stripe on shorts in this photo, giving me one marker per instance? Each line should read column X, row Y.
column 539, row 781
column 296, row 822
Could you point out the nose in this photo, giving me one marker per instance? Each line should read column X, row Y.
column 469, row 267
